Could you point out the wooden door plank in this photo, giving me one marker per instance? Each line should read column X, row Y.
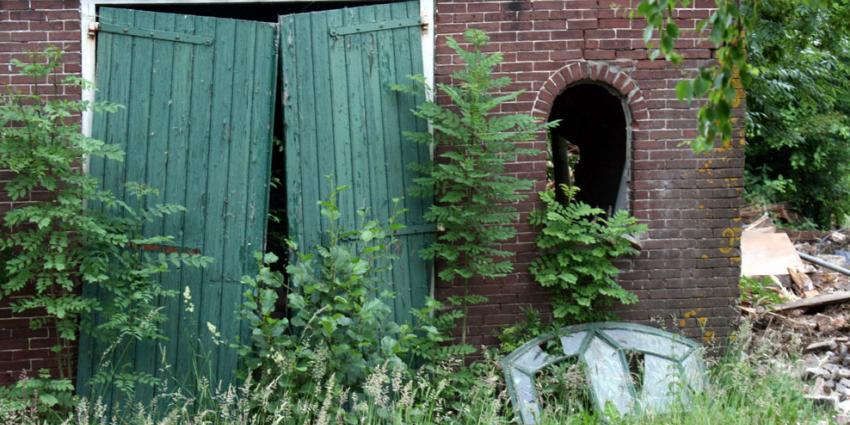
column 394, row 142
column 262, row 124
column 294, row 184
column 189, row 353
column 421, row 271
column 321, row 102
column 237, row 195
column 342, row 150
column 357, row 107
column 219, row 161
column 177, row 183
column 156, row 135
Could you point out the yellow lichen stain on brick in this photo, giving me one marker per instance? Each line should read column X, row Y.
column 702, row 321
column 708, row 336
column 732, row 238
column 692, row 313
column 704, row 257
column 682, row 323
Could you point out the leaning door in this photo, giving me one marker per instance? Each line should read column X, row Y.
column 343, row 121
column 196, row 124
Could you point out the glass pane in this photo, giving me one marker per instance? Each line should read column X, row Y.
column 526, row 396
column 608, row 378
column 571, row 343
column 648, row 343
column 661, row 383
column 532, row 360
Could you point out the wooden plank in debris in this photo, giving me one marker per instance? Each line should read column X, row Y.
column 820, row 300
column 764, row 254
column 801, row 280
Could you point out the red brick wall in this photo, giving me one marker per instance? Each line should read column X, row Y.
column 25, row 26
column 688, row 267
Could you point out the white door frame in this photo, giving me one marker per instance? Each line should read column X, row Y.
column 88, row 21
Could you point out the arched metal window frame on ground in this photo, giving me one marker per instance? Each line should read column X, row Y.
column 522, row 365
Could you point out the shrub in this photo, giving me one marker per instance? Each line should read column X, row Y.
column 578, row 244
column 81, row 235
column 473, row 194
column 341, row 328
column 340, row 322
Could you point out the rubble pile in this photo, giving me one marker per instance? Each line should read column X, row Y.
column 828, row 367
column 812, row 280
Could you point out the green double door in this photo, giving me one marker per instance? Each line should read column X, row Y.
column 197, row 124
column 344, row 126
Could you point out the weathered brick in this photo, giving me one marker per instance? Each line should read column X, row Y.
column 686, row 210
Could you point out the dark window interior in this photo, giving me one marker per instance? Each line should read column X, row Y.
column 592, row 128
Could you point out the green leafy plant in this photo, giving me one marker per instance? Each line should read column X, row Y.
column 758, row 291
column 473, row 194
column 790, row 60
column 42, row 396
column 798, row 137
column 340, row 324
column 529, row 327
column 68, row 232
column 341, row 327
column 579, row 244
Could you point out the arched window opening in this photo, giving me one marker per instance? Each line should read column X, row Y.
column 590, row 147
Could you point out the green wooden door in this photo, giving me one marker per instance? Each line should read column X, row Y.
column 198, row 96
column 342, row 120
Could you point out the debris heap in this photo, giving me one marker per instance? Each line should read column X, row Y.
column 806, row 277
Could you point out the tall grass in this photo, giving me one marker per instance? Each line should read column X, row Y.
column 751, row 384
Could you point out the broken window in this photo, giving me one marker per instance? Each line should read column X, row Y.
column 635, row 368
column 590, row 147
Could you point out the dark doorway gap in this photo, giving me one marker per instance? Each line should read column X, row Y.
column 594, row 128
column 264, row 12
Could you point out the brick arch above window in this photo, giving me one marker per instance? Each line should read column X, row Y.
column 591, row 72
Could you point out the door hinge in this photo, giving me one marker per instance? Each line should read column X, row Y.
column 155, row 34
column 376, row 26
column 94, row 27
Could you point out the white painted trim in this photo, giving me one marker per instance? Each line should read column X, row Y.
column 426, row 12
column 87, row 57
